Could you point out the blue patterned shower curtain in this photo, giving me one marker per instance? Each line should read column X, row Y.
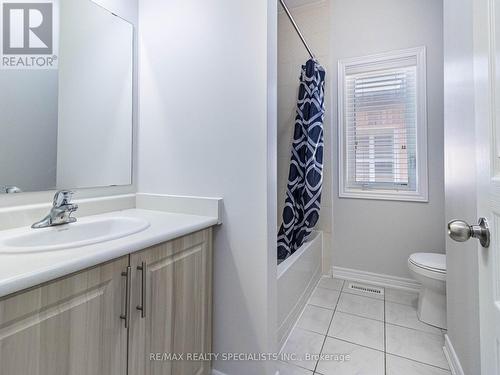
column 305, row 179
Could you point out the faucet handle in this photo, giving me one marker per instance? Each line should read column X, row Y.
column 10, row 189
column 62, row 197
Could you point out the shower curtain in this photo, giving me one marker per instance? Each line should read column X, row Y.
column 305, row 179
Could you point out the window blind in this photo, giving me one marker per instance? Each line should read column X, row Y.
column 380, row 118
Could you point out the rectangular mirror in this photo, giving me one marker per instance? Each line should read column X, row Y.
column 66, row 120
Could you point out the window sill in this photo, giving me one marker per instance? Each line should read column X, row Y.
column 385, row 195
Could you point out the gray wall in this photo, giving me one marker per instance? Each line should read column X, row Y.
column 378, row 236
column 462, row 258
column 28, row 126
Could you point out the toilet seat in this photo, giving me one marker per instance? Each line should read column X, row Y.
column 429, row 264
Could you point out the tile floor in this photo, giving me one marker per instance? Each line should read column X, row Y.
column 381, row 334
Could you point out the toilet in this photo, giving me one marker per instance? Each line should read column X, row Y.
column 430, row 270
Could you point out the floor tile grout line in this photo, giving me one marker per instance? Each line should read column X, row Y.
column 355, row 343
column 361, row 316
column 385, row 329
column 322, row 287
column 341, row 339
column 310, row 330
column 414, row 329
column 318, row 306
column 412, row 359
column 358, row 315
column 401, row 303
column 420, row 362
column 335, row 310
column 328, row 330
column 293, row 365
column 296, row 326
column 323, row 307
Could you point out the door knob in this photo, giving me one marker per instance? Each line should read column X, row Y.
column 460, row 231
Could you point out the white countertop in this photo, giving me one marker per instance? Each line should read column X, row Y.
column 25, row 270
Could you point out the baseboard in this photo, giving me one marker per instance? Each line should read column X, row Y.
column 375, row 278
column 451, row 357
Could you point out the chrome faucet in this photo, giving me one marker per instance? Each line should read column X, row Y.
column 61, row 211
column 10, row 189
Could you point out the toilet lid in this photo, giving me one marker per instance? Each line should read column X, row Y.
column 429, row 260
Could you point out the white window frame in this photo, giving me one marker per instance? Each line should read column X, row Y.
column 382, row 61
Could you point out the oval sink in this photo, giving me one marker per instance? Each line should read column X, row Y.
column 82, row 233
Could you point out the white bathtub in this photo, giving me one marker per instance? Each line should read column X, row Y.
column 297, row 277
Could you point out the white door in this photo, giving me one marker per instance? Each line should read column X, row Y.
column 484, row 93
column 487, row 102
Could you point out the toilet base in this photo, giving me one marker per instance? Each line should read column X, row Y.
column 432, row 307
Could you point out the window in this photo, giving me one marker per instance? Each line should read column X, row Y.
column 383, row 126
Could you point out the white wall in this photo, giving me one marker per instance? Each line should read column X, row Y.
column 204, row 132
column 462, row 258
column 378, row 236
column 315, row 22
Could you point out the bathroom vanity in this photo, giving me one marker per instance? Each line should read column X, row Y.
column 148, row 297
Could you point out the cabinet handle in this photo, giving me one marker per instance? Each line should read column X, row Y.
column 142, row 306
column 126, row 317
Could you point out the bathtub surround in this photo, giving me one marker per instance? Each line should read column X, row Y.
column 298, row 275
column 305, row 178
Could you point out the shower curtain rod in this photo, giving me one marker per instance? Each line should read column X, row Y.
column 287, row 11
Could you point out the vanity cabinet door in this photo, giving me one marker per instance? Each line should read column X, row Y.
column 177, row 316
column 70, row 326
